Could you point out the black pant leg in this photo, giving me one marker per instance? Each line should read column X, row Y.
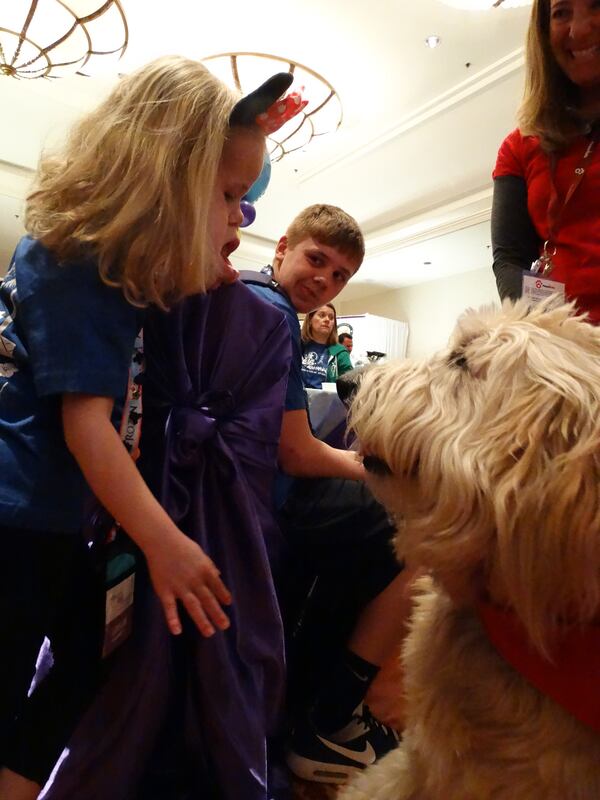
column 70, row 597
column 21, row 627
column 341, row 557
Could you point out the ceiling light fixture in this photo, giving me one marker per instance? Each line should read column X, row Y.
column 53, row 38
column 484, row 5
column 322, row 115
column 432, row 41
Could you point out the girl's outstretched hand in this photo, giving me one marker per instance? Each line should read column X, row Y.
column 181, row 570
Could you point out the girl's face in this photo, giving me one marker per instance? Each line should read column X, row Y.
column 240, row 166
column 575, row 40
column 322, row 323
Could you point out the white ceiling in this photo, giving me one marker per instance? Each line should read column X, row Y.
column 412, row 160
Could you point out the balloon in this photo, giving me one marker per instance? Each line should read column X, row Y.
column 249, row 213
column 259, row 186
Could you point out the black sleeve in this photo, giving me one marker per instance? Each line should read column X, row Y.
column 515, row 243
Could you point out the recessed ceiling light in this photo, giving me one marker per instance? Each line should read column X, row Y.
column 432, row 41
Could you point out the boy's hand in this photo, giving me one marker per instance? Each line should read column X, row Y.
column 355, row 461
column 181, row 570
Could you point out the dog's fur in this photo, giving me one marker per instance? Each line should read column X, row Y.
column 494, row 451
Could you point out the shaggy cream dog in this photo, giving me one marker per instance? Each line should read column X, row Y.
column 493, row 450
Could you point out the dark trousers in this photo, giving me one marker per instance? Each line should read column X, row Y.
column 48, row 589
column 340, row 557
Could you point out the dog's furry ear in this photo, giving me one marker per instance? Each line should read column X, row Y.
column 495, row 443
column 539, row 447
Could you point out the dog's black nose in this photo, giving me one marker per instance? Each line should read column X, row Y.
column 347, row 384
column 376, row 466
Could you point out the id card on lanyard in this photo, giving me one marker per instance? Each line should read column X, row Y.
column 118, row 557
column 536, row 283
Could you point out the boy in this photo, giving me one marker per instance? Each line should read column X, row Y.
column 331, row 521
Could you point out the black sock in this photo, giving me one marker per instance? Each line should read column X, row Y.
column 341, row 691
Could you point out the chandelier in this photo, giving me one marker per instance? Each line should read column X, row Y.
column 53, row 38
column 483, row 5
column 322, row 115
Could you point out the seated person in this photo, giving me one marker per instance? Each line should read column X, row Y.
column 324, row 359
column 346, row 340
column 332, row 524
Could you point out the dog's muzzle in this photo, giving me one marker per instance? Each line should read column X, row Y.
column 376, row 466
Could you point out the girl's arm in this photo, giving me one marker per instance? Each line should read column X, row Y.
column 179, row 568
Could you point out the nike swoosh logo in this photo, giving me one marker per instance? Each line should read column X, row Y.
column 366, row 756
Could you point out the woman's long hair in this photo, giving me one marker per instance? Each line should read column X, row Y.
column 306, row 331
column 133, row 185
column 550, row 99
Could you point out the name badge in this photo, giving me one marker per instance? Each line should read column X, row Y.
column 537, row 288
column 118, row 620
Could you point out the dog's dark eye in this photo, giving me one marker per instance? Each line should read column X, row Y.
column 457, row 358
column 376, row 466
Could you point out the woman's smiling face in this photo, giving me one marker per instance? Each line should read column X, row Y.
column 575, row 41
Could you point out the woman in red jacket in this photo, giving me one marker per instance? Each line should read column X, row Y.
column 547, row 176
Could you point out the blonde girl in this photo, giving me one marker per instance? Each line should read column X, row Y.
column 141, row 207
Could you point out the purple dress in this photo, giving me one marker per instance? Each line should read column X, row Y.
column 214, row 389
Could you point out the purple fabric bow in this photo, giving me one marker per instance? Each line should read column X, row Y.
column 212, row 417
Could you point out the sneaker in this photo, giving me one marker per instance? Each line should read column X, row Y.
column 336, row 757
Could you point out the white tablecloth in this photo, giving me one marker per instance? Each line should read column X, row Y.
column 326, row 410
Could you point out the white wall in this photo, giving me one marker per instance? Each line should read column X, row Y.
column 430, row 309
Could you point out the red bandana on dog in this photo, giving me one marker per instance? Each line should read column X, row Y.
column 572, row 679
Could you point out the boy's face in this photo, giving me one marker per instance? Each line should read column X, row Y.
column 311, row 273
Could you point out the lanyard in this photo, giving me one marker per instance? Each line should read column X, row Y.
column 556, row 208
column 131, row 421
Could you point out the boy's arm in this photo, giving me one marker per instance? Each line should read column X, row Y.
column 179, row 568
column 302, row 455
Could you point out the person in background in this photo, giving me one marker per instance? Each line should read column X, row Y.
column 345, row 339
column 141, row 207
column 547, row 175
column 324, row 359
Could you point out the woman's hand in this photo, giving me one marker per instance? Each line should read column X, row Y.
column 181, row 570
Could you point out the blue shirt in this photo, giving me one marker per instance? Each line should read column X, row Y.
column 295, row 398
column 315, row 362
column 61, row 331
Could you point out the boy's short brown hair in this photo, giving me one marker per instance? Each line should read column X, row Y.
column 328, row 225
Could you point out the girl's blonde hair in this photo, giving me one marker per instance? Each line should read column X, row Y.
column 549, row 107
column 133, row 185
column 306, row 331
